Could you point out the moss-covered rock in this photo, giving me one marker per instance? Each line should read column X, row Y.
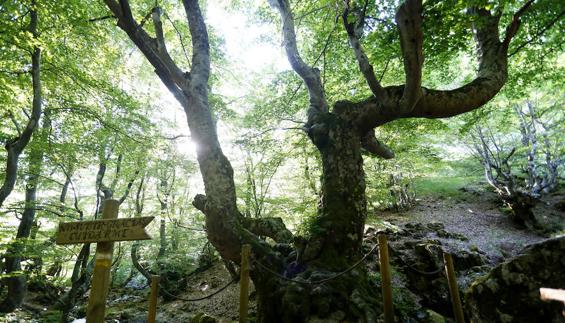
column 434, row 317
column 203, row 318
column 510, row 292
column 416, row 252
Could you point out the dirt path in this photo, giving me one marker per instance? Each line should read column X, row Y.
column 477, row 217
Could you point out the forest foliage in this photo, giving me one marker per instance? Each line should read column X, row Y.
column 108, row 128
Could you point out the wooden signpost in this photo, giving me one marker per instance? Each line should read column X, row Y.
column 104, row 232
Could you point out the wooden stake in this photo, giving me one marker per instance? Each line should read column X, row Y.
column 453, row 289
column 386, row 283
column 153, row 299
column 244, row 283
column 101, row 274
column 550, row 294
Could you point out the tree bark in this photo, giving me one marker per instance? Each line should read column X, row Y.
column 343, row 208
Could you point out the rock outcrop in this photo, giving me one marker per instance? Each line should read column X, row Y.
column 416, row 252
column 510, row 292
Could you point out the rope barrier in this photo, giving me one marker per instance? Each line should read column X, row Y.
column 425, row 273
column 200, row 298
column 317, row 282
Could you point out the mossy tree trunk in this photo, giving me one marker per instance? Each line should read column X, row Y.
column 334, row 245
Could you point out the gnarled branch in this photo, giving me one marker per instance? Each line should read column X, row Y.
column 409, row 22
column 362, row 59
column 372, row 145
column 200, row 72
column 310, row 75
column 157, row 55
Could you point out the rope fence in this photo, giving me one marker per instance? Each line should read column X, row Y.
column 247, row 260
column 164, row 291
column 317, row 282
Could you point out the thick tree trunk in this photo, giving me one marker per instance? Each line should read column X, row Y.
column 334, row 245
column 341, row 215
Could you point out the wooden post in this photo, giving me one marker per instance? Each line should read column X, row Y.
column 104, row 232
column 550, row 294
column 386, row 284
column 453, row 289
column 101, row 274
column 153, row 299
column 244, row 283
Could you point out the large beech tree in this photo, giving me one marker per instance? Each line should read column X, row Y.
column 341, row 131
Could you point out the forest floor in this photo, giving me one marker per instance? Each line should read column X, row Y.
column 477, row 216
column 471, row 212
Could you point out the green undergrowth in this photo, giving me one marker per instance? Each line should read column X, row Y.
column 446, row 187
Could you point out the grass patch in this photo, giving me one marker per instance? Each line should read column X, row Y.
column 443, row 186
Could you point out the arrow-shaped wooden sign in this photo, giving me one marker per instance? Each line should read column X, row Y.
column 103, row 230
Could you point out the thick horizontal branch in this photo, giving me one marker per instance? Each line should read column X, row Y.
column 491, row 77
column 273, row 228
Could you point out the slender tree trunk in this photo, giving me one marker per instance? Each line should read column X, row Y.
column 163, row 228
column 63, row 195
column 80, row 281
column 139, row 204
column 15, row 146
column 17, row 286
